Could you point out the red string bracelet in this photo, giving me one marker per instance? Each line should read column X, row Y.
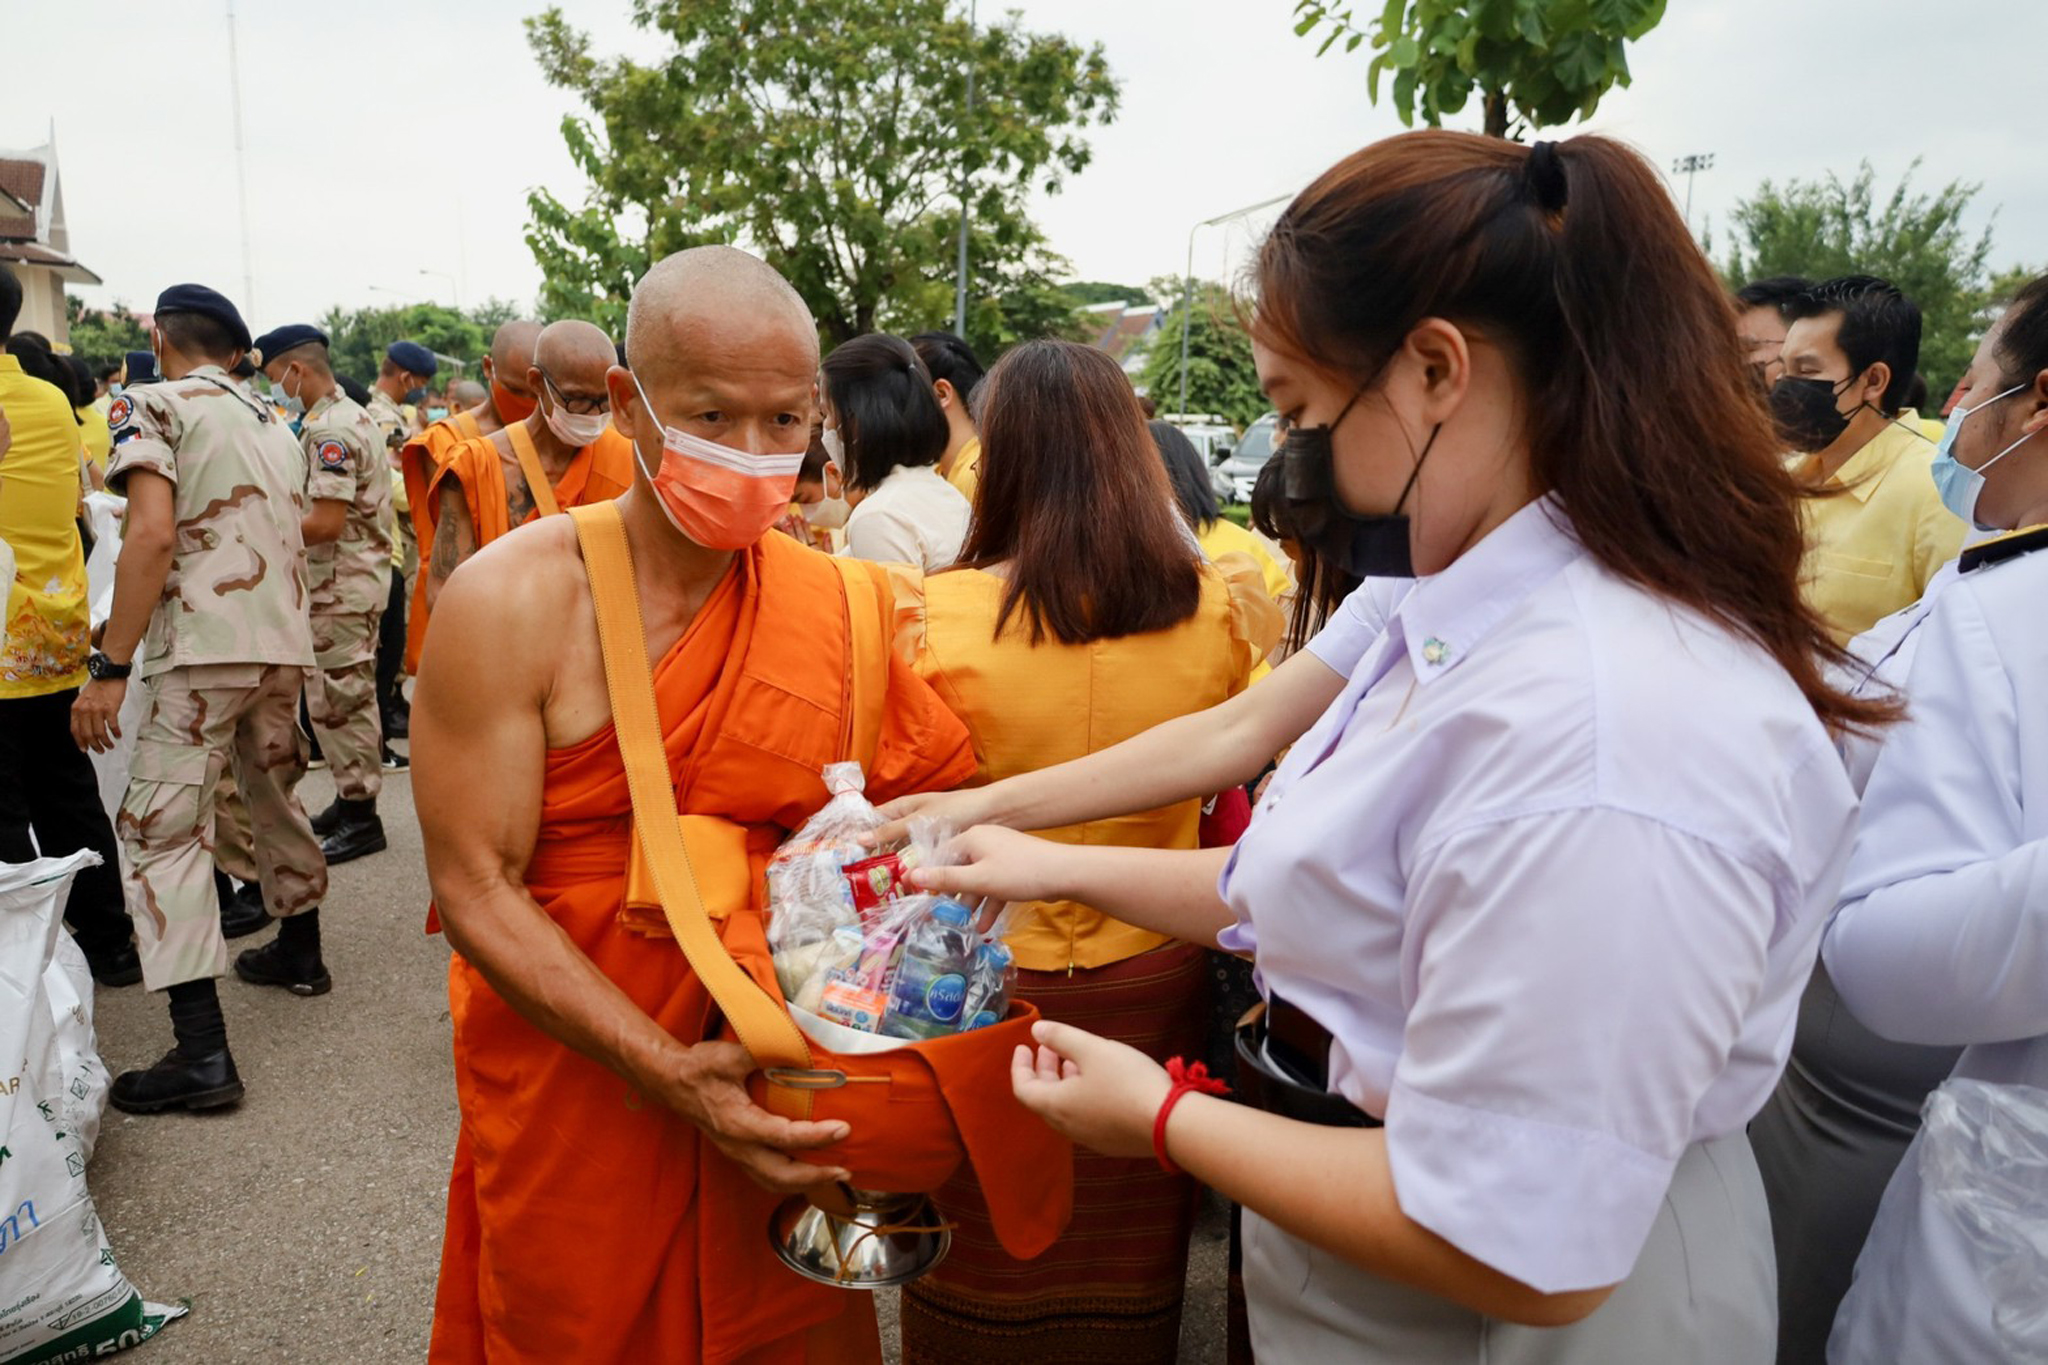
column 1185, row 1078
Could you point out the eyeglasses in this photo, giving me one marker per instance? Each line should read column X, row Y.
column 582, row 404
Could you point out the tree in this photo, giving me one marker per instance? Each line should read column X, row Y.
column 1829, row 227
column 833, row 139
column 1533, row 63
column 1086, row 292
column 100, row 338
column 356, row 338
column 1221, row 375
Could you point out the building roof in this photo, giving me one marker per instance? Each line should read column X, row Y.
column 32, row 229
column 1124, row 331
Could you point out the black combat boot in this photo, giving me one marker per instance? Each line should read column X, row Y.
column 360, row 832
column 328, row 820
column 241, row 908
column 198, row 1073
column 291, row 960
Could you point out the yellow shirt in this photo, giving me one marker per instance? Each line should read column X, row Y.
column 1225, row 536
column 1030, row 707
column 99, row 441
column 965, row 474
column 1871, row 548
column 48, row 629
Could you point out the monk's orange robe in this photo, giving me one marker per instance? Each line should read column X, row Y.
column 419, row 459
column 585, row 1222
column 600, row 472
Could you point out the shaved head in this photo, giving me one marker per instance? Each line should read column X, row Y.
column 712, row 298
column 512, row 346
column 575, row 354
column 467, row 393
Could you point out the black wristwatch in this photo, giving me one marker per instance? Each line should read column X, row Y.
column 99, row 667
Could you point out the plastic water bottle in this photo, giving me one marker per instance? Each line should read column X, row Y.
column 930, row 991
column 988, row 987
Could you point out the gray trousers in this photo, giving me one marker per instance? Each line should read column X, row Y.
column 1702, row 1292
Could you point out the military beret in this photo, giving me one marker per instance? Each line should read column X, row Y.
column 410, row 355
column 278, row 340
column 142, row 367
column 197, row 298
column 245, row 368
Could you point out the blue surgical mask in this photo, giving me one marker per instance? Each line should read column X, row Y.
column 415, row 395
column 114, row 390
column 436, row 414
column 293, row 405
column 1959, row 485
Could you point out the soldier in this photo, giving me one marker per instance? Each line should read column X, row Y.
column 348, row 576
column 210, row 610
column 402, row 378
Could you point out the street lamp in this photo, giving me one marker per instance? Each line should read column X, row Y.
column 1187, row 287
column 454, row 295
column 1688, row 166
column 960, row 269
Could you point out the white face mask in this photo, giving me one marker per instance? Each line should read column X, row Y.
column 577, row 429
column 835, row 449
column 830, row 512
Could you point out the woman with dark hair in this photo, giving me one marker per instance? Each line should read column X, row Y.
column 884, row 432
column 1052, row 639
column 956, row 373
column 1215, row 533
column 1937, row 941
column 1534, row 901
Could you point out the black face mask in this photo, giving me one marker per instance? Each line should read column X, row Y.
column 1805, row 412
column 1364, row 547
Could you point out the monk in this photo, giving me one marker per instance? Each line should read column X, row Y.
column 613, row 1182
column 485, row 487
column 484, row 411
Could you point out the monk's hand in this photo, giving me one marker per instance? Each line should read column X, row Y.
column 96, row 714
column 958, row 810
column 711, row 1092
column 1102, row 1094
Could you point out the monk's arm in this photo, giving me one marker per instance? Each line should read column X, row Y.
column 454, row 538
column 479, row 763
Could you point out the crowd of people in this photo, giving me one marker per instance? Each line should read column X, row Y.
column 1615, row 744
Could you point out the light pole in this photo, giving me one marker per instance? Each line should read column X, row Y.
column 960, row 268
column 454, row 294
column 1187, row 287
column 1689, row 166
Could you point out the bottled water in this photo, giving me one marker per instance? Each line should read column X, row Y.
column 930, row 991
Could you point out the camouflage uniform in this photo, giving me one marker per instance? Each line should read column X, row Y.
column 350, row 582
column 221, row 666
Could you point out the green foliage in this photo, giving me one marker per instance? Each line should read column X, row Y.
column 357, row 338
column 831, row 138
column 103, row 337
column 1533, row 63
column 1829, row 227
column 1086, row 292
column 1221, row 375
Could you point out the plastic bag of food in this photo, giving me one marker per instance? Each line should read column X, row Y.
column 1984, row 1160
column 64, row 1297
column 808, row 893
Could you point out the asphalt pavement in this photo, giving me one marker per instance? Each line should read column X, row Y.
column 305, row 1223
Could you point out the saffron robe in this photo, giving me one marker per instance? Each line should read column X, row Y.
column 586, row 1222
column 419, row 459
column 599, row 472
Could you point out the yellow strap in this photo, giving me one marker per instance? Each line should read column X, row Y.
column 536, row 477
column 759, row 1019
column 867, row 680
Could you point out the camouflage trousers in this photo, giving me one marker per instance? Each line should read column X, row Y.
column 341, row 700
column 200, row 721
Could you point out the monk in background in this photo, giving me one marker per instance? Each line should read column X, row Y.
column 564, row 454
column 481, row 412
column 613, row 1182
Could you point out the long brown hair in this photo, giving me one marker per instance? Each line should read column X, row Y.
column 1640, row 410
column 1074, row 498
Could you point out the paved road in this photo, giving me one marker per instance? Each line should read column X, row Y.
column 305, row 1224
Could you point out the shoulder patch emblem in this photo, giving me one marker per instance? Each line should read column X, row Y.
column 331, row 454
column 120, row 411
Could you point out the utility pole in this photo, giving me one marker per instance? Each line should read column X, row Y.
column 960, row 268
column 1187, row 287
column 1688, row 166
column 241, row 163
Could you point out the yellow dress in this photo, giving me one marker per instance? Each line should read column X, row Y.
column 47, row 627
column 99, row 439
column 1225, row 536
column 965, row 474
column 1030, row 707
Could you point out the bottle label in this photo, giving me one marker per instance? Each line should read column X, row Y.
column 945, row 996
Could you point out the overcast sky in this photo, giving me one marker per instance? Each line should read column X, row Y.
column 344, row 107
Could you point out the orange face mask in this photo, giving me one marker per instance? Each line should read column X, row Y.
column 510, row 405
column 721, row 498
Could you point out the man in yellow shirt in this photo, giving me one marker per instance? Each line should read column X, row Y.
column 47, row 784
column 955, row 372
column 1879, row 531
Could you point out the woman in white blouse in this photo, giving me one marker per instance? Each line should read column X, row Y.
column 1942, row 937
column 1533, row 901
column 885, row 432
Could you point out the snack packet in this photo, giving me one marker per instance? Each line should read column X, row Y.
column 808, row 894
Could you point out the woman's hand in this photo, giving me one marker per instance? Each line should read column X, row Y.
column 961, row 809
column 1102, row 1094
column 996, row 865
